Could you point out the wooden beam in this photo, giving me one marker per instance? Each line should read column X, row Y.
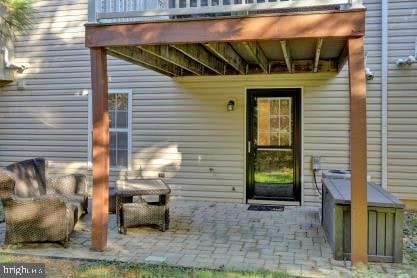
column 257, row 54
column 319, row 44
column 225, row 52
column 201, row 55
column 287, row 55
column 358, row 153
column 101, row 168
column 139, row 57
column 343, row 57
column 329, row 24
column 174, row 56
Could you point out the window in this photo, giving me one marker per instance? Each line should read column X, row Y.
column 274, row 122
column 120, row 124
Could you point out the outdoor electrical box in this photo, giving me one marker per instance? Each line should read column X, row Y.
column 315, row 163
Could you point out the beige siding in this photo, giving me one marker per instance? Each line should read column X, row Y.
column 180, row 126
column 402, row 101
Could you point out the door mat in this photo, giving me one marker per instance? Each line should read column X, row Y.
column 265, row 208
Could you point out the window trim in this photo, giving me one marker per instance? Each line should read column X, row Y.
column 129, row 129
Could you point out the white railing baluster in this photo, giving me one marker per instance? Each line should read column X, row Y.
column 356, row 3
column 92, row 11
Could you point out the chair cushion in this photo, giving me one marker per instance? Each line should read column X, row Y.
column 29, row 176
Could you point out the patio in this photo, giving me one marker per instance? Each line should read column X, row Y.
column 175, row 47
column 216, row 236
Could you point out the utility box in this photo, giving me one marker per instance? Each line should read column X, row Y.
column 385, row 221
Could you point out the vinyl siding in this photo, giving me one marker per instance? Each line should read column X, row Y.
column 402, row 101
column 180, row 126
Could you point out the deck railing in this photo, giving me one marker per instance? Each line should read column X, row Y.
column 128, row 10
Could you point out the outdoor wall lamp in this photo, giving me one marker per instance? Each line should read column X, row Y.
column 412, row 59
column 368, row 72
column 407, row 61
column 10, row 65
column 231, row 105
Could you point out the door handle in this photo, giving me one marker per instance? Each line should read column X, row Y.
column 249, row 146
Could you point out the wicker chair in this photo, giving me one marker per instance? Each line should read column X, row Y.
column 38, row 209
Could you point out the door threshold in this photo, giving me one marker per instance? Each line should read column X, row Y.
column 272, row 202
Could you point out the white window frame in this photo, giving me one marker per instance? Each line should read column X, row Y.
column 129, row 129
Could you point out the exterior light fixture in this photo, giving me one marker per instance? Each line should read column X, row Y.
column 11, row 65
column 406, row 61
column 368, row 72
column 412, row 59
column 231, row 105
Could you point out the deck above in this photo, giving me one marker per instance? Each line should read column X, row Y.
column 105, row 11
column 233, row 45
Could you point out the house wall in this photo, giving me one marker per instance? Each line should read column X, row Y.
column 402, row 101
column 180, row 126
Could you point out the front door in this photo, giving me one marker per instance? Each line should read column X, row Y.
column 273, row 144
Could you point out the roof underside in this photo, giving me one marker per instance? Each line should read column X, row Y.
column 234, row 58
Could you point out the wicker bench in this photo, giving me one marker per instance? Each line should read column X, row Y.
column 140, row 212
column 40, row 208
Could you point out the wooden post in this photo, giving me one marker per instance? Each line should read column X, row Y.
column 358, row 153
column 100, row 148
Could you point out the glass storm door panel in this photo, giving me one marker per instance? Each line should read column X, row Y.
column 272, row 158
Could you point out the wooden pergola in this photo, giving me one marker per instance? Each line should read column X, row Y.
column 235, row 46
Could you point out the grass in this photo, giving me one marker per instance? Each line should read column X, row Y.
column 76, row 268
column 410, row 236
column 281, row 177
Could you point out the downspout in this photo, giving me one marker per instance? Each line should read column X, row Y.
column 384, row 94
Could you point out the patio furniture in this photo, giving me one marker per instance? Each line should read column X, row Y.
column 385, row 221
column 38, row 208
column 112, row 200
column 140, row 212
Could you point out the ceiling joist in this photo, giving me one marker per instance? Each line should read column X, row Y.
column 319, row 44
column 227, row 54
column 343, row 57
column 198, row 53
column 304, row 66
column 287, row 55
column 221, row 58
column 257, row 54
column 174, row 56
column 139, row 57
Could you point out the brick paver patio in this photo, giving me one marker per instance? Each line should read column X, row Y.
column 217, row 235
